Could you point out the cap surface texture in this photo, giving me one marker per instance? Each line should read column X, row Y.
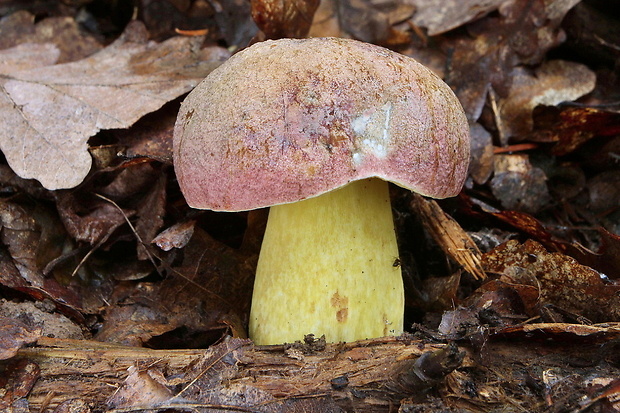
column 291, row 119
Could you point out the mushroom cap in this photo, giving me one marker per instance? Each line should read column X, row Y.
column 290, row 119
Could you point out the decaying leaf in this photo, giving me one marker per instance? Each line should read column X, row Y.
column 604, row 191
column 483, row 61
column 481, row 163
column 560, row 280
column 49, row 113
column 14, row 334
column 519, row 185
column 206, row 293
column 234, row 20
column 150, row 137
column 284, row 18
column 151, row 213
column 553, row 82
column 606, row 331
column 19, row 377
column 21, row 235
column 140, row 389
column 177, row 236
column 64, row 32
column 571, row 127
column 452, row 239
column 41, row 320
column 440, row 16
column 367, row 20
column 89, row 220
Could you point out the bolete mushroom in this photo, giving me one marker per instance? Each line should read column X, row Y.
column 316, row 128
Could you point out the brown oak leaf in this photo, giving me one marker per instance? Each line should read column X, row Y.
column 49, row 113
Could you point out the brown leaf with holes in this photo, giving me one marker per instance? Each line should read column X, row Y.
column 560, row 279
column 49, row 113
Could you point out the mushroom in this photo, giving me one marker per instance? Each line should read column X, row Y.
column 315, row 129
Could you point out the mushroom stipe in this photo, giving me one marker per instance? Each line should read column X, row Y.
column 341, row 264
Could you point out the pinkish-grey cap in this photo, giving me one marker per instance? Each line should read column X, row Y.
column 291, row 119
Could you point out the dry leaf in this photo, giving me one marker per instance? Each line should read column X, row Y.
column 560, row 279
column 440, row 16
column 483, row 59
column 41, row 319
column 151, row 211
column 571, row 127
column 481, row 162
column 606, row 331
column 284, row 18
column 89, row 219
column 177, row 236
column 449, row 235
column 140, row 390
column 20, row 235
column 604, row 191
column 49, row 113
column 27, row 56
column 367, row 20
column 553, row 82
column 192, row 307
column 18, row 378
column 233, row 17
column 150, row 137
column 64, row 32
column 518, row 185
column 14, row 334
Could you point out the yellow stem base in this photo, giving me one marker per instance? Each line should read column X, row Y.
column 328, row 266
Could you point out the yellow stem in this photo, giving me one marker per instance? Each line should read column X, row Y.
column 328, row 265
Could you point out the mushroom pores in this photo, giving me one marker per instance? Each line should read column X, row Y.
column 291, row 119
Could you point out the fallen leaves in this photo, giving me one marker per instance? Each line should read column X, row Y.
column 50, row 112
column 14, row 334
column 449, row 235
column 484, row 61
column 553, row 82
column 278, row 19
column 452, row 13
column 381, row 22
column 540, row 289
column 558, row 279
column 64, row 33
column 519, row 185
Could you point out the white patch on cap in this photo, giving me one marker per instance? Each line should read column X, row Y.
column 373, row 131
